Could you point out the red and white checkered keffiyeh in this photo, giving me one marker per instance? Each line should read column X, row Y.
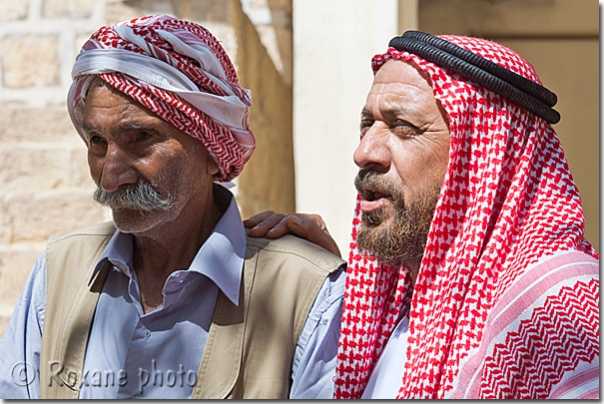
column 494, row 312
column 179, row 71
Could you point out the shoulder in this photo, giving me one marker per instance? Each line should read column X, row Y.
column 296, row 251
column 97, row 230
column 76, row 248
column 555, row 302
column 548, row 275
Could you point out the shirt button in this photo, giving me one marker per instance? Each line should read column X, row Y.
column 147, row 333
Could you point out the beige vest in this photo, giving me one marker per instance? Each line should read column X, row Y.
column 250, row 347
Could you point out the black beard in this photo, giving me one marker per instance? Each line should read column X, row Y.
column 395, row 235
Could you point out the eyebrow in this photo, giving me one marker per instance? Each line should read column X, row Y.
column 390, row 113
column 366, row 112
column 87, row 128
column 129, row 126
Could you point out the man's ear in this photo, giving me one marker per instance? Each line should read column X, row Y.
column 211, row 166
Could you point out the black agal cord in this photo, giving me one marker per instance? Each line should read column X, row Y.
column 511, row 86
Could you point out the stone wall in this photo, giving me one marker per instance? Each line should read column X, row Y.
column 45, row 187
column 44, row 183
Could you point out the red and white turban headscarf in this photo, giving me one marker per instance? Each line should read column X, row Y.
column 180, row 72
column 506, row 301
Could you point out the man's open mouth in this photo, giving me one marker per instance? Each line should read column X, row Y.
column 373, row 199
column 373, row 195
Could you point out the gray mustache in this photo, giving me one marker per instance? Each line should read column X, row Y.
column 142, row 197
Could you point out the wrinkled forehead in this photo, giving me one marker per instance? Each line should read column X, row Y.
column 132, row 114
column 399, row 79
column 401, row 86
column 96, row 82
column 404, row 72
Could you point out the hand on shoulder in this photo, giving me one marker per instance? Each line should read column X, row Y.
column 308, row 226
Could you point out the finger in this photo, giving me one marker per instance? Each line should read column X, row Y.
column 257, row 218
column 318, row 220
column 308, row 228
column 279, row 230
column 262, row 228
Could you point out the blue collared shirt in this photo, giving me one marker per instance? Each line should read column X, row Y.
column 131, row 354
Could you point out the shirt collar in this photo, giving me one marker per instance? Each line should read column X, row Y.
column 220, row 258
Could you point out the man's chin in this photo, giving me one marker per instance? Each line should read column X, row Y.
column 378, row 219
column 133, row 221
column 375, row 239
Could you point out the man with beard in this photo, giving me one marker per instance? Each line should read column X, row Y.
column 171, row 300
column 468, row 276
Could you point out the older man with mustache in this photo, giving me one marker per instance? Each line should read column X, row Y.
column 468, row 276
column 171, row 299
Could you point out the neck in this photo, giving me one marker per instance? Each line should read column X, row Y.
column 413, row 268
column 173, row 246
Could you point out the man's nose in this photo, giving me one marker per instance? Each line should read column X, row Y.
column 117, row 169
column 372, row 152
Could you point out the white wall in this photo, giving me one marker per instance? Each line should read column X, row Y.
column 333, row 44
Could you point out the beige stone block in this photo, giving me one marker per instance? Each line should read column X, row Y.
column 24, row 124
column 118, row 11
column 67, row 8
column 30, row 60
column 12, row 10
column 6, row 229
column 37, row 216
column 79, row 170
column 203, row 11
column 16, row 262
column 29, row 168
column 80, row 40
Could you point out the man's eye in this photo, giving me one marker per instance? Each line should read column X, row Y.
column 403, row 128
column 142, row 136
column 97, row 145
column 96, row 140
column 366, row 124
